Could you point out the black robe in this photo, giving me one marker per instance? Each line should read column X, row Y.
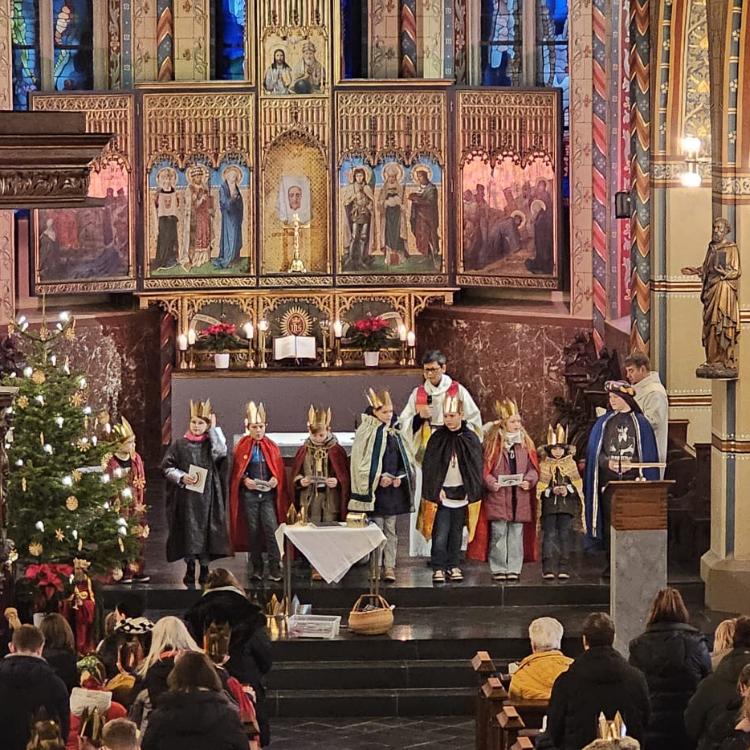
column 198, row 524
column 443, row 443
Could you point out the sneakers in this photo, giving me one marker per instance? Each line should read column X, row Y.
column 513, row 577
column 142, row 578
column 563, row 576
column 498, row 576
column 455, row 574
column 389, row 575
column 275, row 574
column 438, row 576
column 548, row 576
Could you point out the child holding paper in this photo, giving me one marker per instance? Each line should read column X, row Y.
column 510, row 474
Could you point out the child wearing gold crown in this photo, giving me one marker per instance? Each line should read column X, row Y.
column 510, row 473
column 257, row 495
column 382, row 470
column 559, row 501
column 129, row 464
column 197, row 521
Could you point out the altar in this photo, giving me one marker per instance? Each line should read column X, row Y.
column 287, row 395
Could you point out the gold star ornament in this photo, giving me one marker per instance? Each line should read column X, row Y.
column 35, row 549
column 38, row 377
column 59, row 535
column 22, row 402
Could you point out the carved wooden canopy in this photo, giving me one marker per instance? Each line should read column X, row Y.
column 45, row 158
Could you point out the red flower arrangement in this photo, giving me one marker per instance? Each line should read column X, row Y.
column 371, row 334
column 219, row 337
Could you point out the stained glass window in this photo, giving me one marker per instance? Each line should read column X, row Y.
column 230, row 20
column 73, row 38
column 355, row 35
column 25, row 50
column 501, row 42
column 552, row 48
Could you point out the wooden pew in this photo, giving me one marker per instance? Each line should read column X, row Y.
column 490, row 696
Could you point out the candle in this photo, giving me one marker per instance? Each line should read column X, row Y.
column 64, row 316
column 249, row 331
column 182, row 342
column 191, row 336
column 402, row 332
column 263, row 325
column 411, row 339
column 338, row 329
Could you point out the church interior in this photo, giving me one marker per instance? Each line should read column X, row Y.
column 410, row 324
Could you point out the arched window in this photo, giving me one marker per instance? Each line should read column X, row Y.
column 25, row 49
column 228, row 40
column 73, row 44
column 502, row 43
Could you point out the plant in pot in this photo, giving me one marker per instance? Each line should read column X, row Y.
column 371, row 334
column 219, row 338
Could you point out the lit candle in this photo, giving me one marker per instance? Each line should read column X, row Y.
column 411, row 339
column 263, row 325
column 249, row 331
column 402, row 332
column 191, row 337
column 182, row 342
column 338, row 329
column 64, row 316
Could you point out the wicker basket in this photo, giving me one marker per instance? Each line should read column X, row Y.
column 374, row 621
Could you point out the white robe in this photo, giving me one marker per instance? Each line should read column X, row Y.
column 651, row 396
column 418, row 546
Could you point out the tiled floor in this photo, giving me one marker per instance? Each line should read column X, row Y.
column 387, row 733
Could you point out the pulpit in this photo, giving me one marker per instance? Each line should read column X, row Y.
column 638, row 554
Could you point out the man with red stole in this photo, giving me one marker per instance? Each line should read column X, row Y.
column 126, row 462
column 257, row 496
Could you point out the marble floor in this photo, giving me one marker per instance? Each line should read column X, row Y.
column 390, row 733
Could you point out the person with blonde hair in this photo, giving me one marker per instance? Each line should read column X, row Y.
column 673, row 656
column 168, row 638
column 536, row 674
column 723, row 636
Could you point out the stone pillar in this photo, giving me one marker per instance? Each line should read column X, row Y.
column 726, row 566
column 638, row 555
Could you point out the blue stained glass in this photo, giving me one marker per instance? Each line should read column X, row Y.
column 72, row 28
column 501, row 42
column 230, row 20
column 25, row 52
column 552, row 46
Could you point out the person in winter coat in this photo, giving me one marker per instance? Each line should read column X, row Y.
column 740, row 737
column 27, row 684
column 598, row 681
column 536, row 674
column 723, row 725
column 723, row 636
column 195, row 713
column 716, row 690
column 250, row 659
column 59, row 648
column 674, row 657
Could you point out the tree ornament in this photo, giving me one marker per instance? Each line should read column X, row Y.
column 121, row 544
column 41, row 439
column 38, row 377
column 76, row 475
column 35, row 549
column 105, row 460
column 59, row 535
column 43, row 332
column 70, row 333
column 80, row 544
column 76, row 399
column 117, row 574
column 27, row 372
column 71, row 503
column 22, row 402
column 23, row 483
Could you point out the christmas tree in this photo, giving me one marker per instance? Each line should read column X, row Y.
column 61, row 503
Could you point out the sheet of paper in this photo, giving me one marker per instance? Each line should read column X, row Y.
column 201, row 474
column 510, row 480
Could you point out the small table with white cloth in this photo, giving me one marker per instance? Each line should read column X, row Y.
column 331, row 549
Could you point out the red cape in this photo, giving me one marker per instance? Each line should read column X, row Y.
column 339, row 462
column 478, row 547
column 242, row 453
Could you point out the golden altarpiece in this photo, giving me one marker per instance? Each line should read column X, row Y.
column 295, row 197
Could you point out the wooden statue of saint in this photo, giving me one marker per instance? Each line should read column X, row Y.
column 720, row 275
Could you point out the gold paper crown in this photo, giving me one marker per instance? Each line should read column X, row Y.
column 81, row 563
column 453, row 405
column 558, row 436
column 201, row 409
column 255, row 414
column 378, row 399
column 123, row 431
column 506, row 408
column 318, row 419
column 610, row 730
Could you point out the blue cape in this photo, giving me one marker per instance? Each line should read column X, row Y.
column 646, row 450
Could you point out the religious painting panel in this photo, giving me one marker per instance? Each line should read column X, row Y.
column 295, row 192
column 508, row 188
column 198, row 190
column 294, row 61
column 92, row 249
column 391, row 187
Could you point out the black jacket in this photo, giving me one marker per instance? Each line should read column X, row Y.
column 722, row 727
column 674, row 658
column 599, row 680
column 63, row 662
column 198, row 720
column 27, row 684
column 714, row 693
column 736, row 741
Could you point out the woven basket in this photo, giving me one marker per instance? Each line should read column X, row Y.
column 373, row 621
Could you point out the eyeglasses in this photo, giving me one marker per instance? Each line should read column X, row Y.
column 431, row 369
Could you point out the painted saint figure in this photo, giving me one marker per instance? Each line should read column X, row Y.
column 424, row 216
column 201, row 218
column 167, row 204
column 392, row 215
column 358, row 202
column 540, row 211
column 231, row 204
column 309, row 73
column 278, row 76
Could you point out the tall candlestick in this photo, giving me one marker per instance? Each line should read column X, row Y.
column 411, row 342
column 325, row 329
column 402, row 332
column 262, row 329
column 182, row 342
column 402, row 341
column 191, row 336
column 338, row 329
column 249, row 334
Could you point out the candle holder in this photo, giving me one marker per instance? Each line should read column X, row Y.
column 262, row 330
column 191, row 357
column 402, row 360
column 337, row 362
column 181, row 359
column 250, row 364
column 325, row 328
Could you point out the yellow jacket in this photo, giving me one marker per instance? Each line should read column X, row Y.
column 536, row 674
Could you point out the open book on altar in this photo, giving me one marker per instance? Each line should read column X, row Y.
column 295, row 347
